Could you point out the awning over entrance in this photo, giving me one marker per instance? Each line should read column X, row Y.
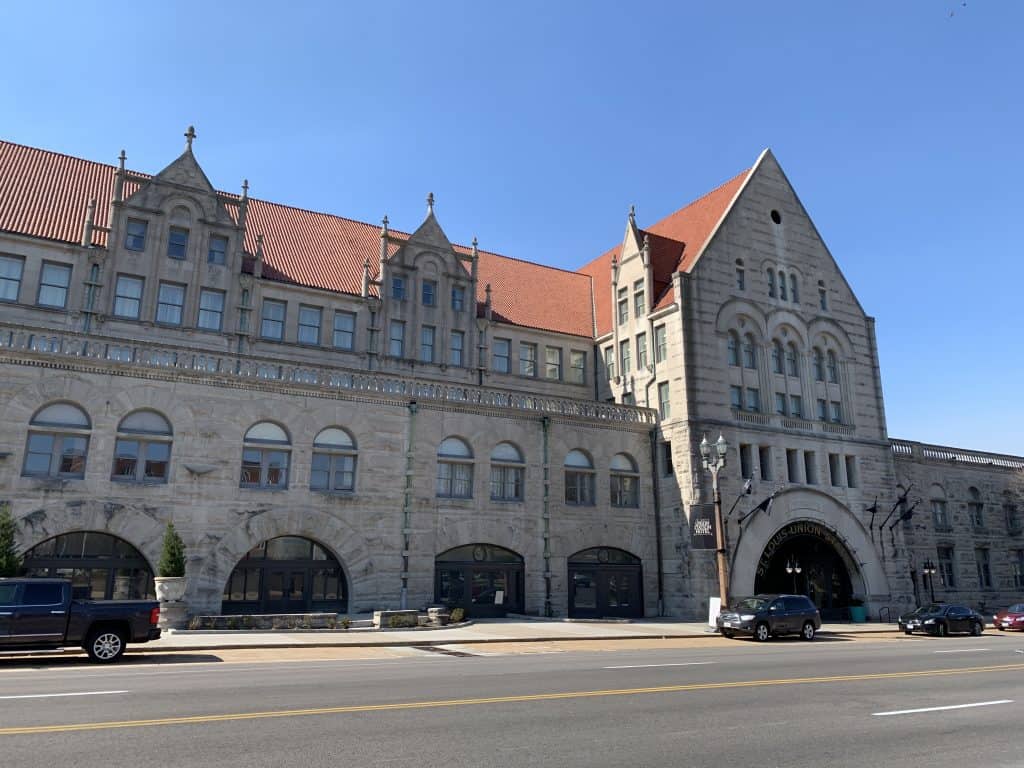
column 483, row 579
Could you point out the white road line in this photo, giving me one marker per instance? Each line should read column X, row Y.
column 964, row 650
column 54, row 695
column 942, row 709
column 679, row 664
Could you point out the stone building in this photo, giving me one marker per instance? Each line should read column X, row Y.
column 343, row 417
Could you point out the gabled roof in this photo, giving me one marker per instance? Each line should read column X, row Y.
column 45, row 194
column 677, row 241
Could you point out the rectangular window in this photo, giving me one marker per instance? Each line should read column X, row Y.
column 736, row 397
column 771, row 283
column 454, row 480
column 272, row 322
column 624, row 357
column 810, row 468
column 135, row 235
column 666, row 458
column 746, row 471
column 609, row 361
column 836, row 411
column 792, row 465
column 851, row 472
column 211, row 310
column 396, row 339
column 427, row 333
column 333, row 473
column 947, row 568
column 796, row 406
column 218, row 250
column 458, row 342
column 623, row 305
column 823, row 298
column 1017, row 569
column 309, row 324
column 527, row 359
column 344, row 329
column 741, row 279
column 398, row 288
column 264, row 468
column 984, row 566
column 579, row 488
column 553, row 363
column 429, row 293
column 764, row 461
column 833, row 470
column 128, row 297
column 177, row 243
column 940, row 516
column 577, row 367
column 501, row 354
column 754, row 399
column 664, row 404
column 639, row 299
column 170, row 303
column 660, row 344
column 54, row 281
column 1013, row 526
column 780, row 403
column 822, row 409
column 11, row 269
column 506, row 482
column 641, row 351
column 458, row 298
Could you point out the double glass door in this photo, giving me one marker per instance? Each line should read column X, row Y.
column 286, row 591
column 599, row 592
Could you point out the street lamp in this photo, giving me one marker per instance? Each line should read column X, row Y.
column 928, row 569
column 713, row 459
column 793, row 567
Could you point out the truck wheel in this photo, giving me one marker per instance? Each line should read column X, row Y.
column 105, row 645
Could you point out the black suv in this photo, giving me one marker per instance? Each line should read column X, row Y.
column 765, row 616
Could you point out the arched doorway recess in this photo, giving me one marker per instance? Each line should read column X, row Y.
column 99, row 565
column 483, row 579
column 604, row 581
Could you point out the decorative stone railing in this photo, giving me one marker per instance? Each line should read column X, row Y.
column 909, row 449
column 155, row 356
column 787, row 422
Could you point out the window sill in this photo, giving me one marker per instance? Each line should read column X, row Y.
column 507, row 501
column 261, row 488
column 333, row 494
column 119, row 481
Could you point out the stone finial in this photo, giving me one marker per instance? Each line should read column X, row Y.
column 190, row 136
column 87, row 228
column 245, row 189
column 487, row 302
column 120, row 161
column 430, row 202
column 366, row 278
column 476, row 251
column 384, row 226
column 632, row 213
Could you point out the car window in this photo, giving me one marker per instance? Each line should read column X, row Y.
column 42, row 594
column 7, row 592
column 751, row 604
column 778, row 605
column 957, row 613
column 1018, row 608
column 798, row 604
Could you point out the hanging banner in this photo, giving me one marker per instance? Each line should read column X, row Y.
column 702, row 526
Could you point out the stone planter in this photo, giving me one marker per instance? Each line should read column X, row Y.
column 169, row 589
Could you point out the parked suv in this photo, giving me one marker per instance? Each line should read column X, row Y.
column 765, row 616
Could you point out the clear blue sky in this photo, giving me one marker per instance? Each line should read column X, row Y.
column 537, row 124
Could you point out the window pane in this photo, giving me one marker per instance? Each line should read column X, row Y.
column 277, row 469
column 72, row 459
column 272, row 323
column 211, row 310
column 53, row 285
column 251, row 465
column 170, row 300
column 39, row 454
column 157, row 457
column 126, row 454
column 128, row 297
column 177, row 243
column 218, row 250
column 135, row 235
column 309, row 325
column 344, row 329
column 502, row 352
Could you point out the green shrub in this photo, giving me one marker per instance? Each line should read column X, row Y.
column 401, row 621
column 10, row 559
column 346, row 622
column 458, row 614
column 172, row 556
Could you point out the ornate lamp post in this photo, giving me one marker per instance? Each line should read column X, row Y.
column 928, row 569
column 793, row 567
column 713, row 459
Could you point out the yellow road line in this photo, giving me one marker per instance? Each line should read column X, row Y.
column 195, row 719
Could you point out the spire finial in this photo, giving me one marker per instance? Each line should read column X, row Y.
column 384, row 226
column 632, row 213
column 430, row 202
column 475, row 243
column 120, row 160
column 190, row 135
column 245, row 188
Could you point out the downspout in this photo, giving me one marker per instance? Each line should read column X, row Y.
column 657, row 520
column 407, row 504
column 545, row 424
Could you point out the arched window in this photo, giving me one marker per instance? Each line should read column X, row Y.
column 795, row 291
column 771, row 283
column 334, row 462
column 975, row 509
column 142, row 453
column 776, row 356
column 940, row 515
column 782, row 286
column 579, row 479
column 58, row 442
column 749, row 352
column 734, row 349
column 625, row 481
column 819, row 365
column 833, row 368
column 100, row 566
column 454, row 469
column 507, row 470
column 265, row 457
column 792, row 360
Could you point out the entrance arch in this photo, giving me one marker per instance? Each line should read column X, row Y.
column 604, row 581
column 484, row 580
column 286, row 574
column 100, row 566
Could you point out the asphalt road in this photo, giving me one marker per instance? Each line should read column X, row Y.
column 785, row 703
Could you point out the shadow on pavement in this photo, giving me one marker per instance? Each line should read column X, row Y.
column 69, row 661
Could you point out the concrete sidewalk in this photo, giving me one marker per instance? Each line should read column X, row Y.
column 479, row 631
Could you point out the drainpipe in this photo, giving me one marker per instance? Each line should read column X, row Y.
column 657, row 519
column 407, row 504
column 545, row 424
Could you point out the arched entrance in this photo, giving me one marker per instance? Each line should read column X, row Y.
column 286, row 574
column 807, row 558
column 482, row 579
column 604, row 581
column 100, row 566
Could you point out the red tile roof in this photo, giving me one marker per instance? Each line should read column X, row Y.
column 45, row 194
column 676, row 243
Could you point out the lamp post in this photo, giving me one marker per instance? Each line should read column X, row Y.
column 928, row 569
column 713, row 459
column 793, row 567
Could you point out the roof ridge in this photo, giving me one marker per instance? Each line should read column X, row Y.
column 111, row 166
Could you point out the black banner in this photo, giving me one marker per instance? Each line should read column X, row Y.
column 702, row 526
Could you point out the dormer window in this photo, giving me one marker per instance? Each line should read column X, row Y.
column 177, row 243
column 218, row 253
column 398, row 288
column 135, row 236
column 458, row 298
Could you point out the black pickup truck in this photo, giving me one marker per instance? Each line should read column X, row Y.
column 37, row 614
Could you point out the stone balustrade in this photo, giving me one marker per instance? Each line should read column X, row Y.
column 921, row 451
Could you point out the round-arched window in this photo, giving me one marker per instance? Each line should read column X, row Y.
column 579, row 479
column 100, row 566
column 454, row 469
column 625, row 481
column 58, row 442
column 142, row 453
column 265, row 457
column 334, row 462
column 507, row 471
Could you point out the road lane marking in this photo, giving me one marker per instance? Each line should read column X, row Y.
column 56, row 695
column 942, row 709
column 443, row 703
column 677, row 664
column 964, row 650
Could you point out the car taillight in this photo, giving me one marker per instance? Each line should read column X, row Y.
column 154, row 616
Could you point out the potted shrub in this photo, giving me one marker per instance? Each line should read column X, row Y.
column 170, row 579
column 858, row 613
column 10, row 560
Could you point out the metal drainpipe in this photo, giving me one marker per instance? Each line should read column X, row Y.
column 657, row 520
column 407, row 504
column 545, row 424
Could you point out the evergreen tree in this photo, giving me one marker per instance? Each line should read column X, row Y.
column 10, row 560
column 172, row 557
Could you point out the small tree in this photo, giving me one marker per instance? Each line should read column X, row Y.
column 10, row 559
column 172, row 557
